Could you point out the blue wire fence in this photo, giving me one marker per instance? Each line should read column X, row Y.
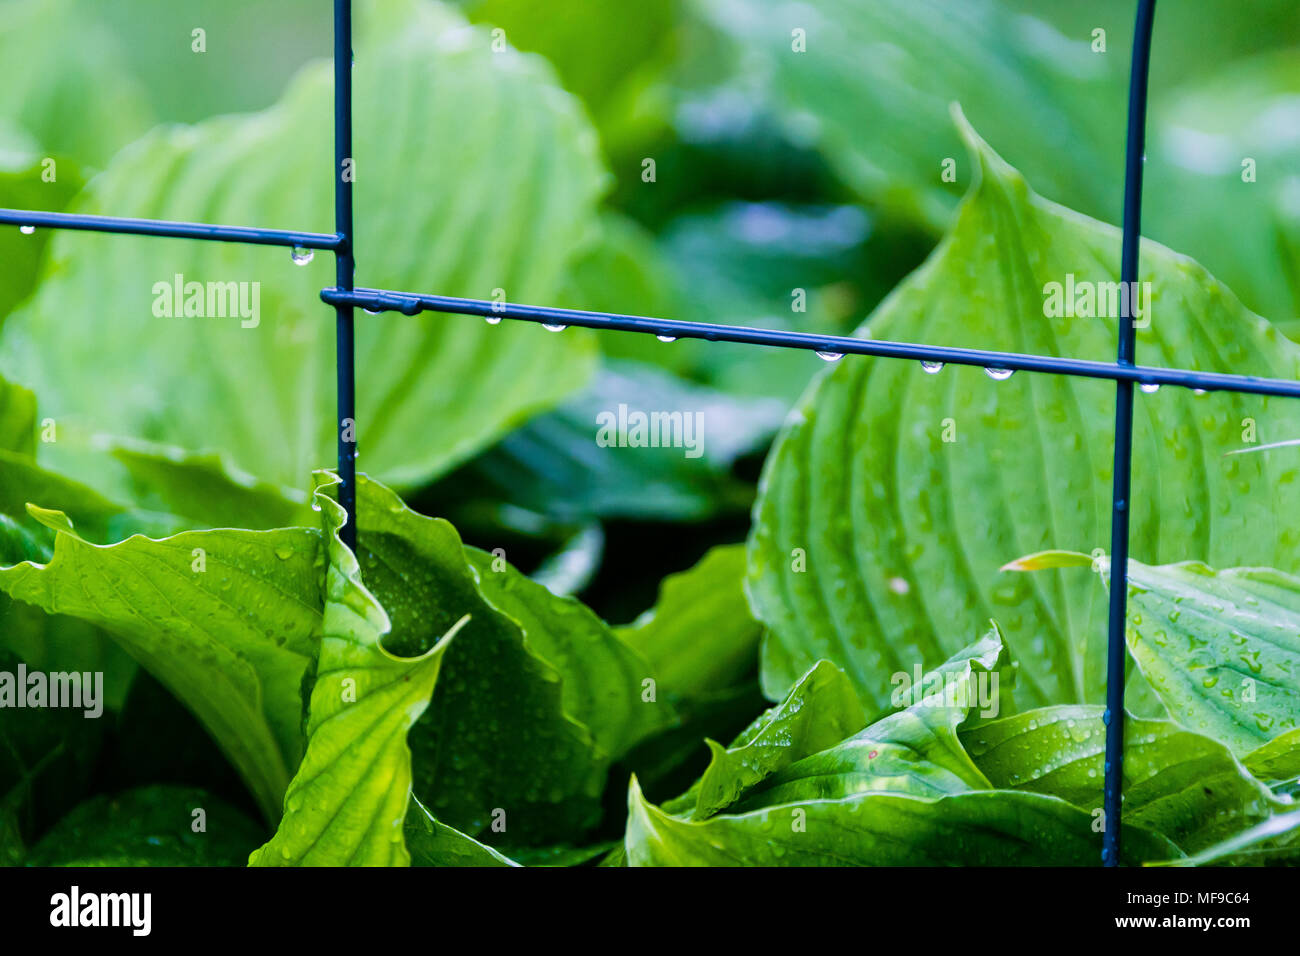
column 345, row 298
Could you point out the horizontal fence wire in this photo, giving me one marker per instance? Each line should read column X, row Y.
column 409, row 303
column 171, row 230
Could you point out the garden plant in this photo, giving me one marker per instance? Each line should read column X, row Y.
column 607, row 598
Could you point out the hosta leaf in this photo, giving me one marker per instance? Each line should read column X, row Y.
column 700, row 636
column 347, row 803
column 228, row 620
column 207, row 489
column 1221, row 648
column 1275, row 840
column 914, row 751
column 260, row 389
column 977, row 828
column 432, row 843
column 874, row 79
column 151, row 826
column 877, row 543
column 536, row 695
column 1277, row 760
column 819, row 712
column 1188, row 787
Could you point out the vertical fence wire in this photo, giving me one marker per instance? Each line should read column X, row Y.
column 1116, row 653
column 345, row 271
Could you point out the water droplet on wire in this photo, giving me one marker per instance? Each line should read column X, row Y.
column 999, row 374
column 27, row 230
column 932, row 368
column 554, row 328
column 829, row 356
column 492, row 319
column 666, row 338
column 1150, row 387
column 301, row 255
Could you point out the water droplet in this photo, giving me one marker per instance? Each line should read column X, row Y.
column 829, row 356
column 999, row 374
column 370, row 311
column 932, row 368
column 301, row 255
column 492, row 319
column 1198, row 391
column 27, row 230
column 283, row 553
column 1150, row 387
column 666, row 338
column 554, row 328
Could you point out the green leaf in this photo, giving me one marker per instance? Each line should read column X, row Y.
column 978, row 828
column 704, row 600
column 914, row 751
column 1221, row 648
column 1277, row 760
column 1274, row 840
column 151, row 826
column 878, row 76
column 347, row 803
column 1188, row 787
column 820, row 711
column 537, row 695
column 229, row 621
column 259, row 389
column 877, row 543
column 205, row 488
column 432, row 843
column 621, row 77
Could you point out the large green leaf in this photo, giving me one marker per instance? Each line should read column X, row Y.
column 501, row 205
column 874, row 79
column 819, row 712
column 432, row 843
column 877, row 543
column 536, row 696
column 976, row 828
column 620, row 77
column 347, row 803
column 901, row 791
column 228, row 620
column 1221, row 648
column 1188, row 787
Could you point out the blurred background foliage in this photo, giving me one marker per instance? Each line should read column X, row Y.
column 775, row 179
